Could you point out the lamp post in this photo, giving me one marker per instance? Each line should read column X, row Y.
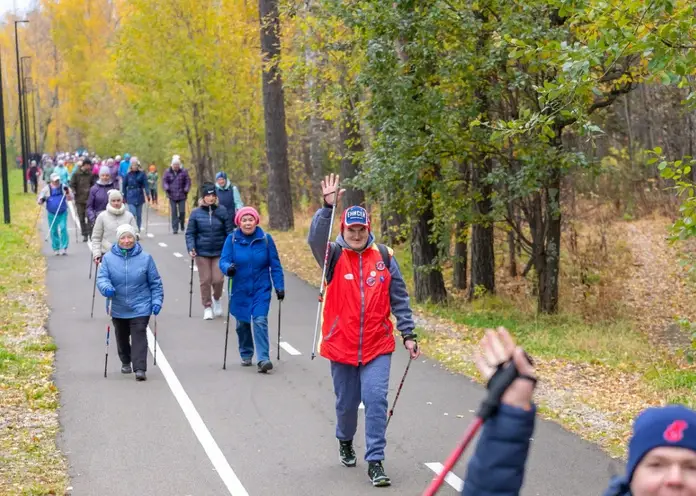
column 25, row 90
column 3, row 158
column 21, row 108
column 34, row 98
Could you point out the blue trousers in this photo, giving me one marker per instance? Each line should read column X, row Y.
column 260, row 339
column 369, row 383
column 137, row 211
column 59, row 231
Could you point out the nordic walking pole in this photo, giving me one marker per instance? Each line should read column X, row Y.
column 50, row 228
column 323, row 273
column 227, row 325
column 108, row 333
column 398, row 391
column 94, row 290
column 191, row 289
column 90, row 265
column 279, row 305
column 497, row 385
column 147, row 217
column 155, row 353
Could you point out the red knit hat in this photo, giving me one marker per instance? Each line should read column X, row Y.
column 246, row 211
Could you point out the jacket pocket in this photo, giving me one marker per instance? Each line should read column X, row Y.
column 388, row 332
column 333, row 329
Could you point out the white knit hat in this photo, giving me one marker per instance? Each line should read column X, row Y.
column 176, row 159
column 114, row 194
column 125, row 229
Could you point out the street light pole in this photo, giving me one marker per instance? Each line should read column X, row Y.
column 21, row 109
column 25, row 90
column 3, row 157
column 34, row 95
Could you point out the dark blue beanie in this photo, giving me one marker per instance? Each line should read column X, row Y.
column 672, row 425
column 220, row 174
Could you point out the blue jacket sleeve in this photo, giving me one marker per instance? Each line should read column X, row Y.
column 103, row 276
column 238, row 203
column 276, row 267
column 400, row 301
column 318, row 234
column 191, row 231
column 227, row 256
column 155, row 282
column 497, row 467
column 144, row 183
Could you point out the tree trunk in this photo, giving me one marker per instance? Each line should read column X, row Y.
column 461, row 254
column 279, row 194
column 391, row 225
column 351, row 149
column 548, row 277
column 482, row 250
column 429, row 283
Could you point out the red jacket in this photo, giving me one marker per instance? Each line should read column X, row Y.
column 356, row 327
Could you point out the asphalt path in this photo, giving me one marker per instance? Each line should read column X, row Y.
column 195, row 429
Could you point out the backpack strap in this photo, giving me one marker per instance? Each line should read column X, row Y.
column 335, row 251
column 386, row 256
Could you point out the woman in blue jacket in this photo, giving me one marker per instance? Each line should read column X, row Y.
column 56, row 196
column 128, row 275
column 207, row 229
column 136, row 190
column 251, row 258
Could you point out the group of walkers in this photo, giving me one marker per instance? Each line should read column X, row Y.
column 364, row 287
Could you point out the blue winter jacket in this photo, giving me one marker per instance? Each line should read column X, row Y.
column 134, row 276
column 207, row 230
column 55, row 201
column 257, row 262
column 133, row 185
column 497, row 466
column 229, row 197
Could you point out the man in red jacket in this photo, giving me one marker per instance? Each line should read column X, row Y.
column 364, row 286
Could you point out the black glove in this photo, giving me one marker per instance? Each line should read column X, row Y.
column 409, row 337
column 231, row 270
column 280, row 294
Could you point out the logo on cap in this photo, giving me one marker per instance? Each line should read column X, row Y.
column 675, row 432
column 356, row 215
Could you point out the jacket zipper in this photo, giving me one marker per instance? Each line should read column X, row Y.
column 362, row 307
column 127, row 302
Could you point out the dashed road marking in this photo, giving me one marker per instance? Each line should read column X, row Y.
column 450, row 478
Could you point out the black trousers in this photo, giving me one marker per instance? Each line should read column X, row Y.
column 85, row 226
column 178, row 210
column 131, row 340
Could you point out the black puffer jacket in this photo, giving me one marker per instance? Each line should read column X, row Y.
column 207, row 229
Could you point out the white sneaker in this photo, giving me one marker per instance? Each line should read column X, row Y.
column 217, row 308
column 208, row 314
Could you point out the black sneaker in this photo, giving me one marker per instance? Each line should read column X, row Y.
column 346, row 453
column 375, row 471
column 265, row 366
column 140, row 375
column 246, row 362
column 126, row 368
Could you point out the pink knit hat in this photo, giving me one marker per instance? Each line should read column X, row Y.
column 246, row 211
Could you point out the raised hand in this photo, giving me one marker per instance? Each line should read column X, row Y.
column 328, row 189
column 498, row 347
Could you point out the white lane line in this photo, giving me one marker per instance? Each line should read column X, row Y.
column 361, row 406
column 289, row 349
column 450, row 478
column 163, row 245
column 222, row 467
column 177, row 254
column 195, row 269
column 217, row 458
column 150, row 235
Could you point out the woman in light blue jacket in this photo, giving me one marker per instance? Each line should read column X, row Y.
column 128, row 275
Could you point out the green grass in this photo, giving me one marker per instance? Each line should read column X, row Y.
column 31, row 462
